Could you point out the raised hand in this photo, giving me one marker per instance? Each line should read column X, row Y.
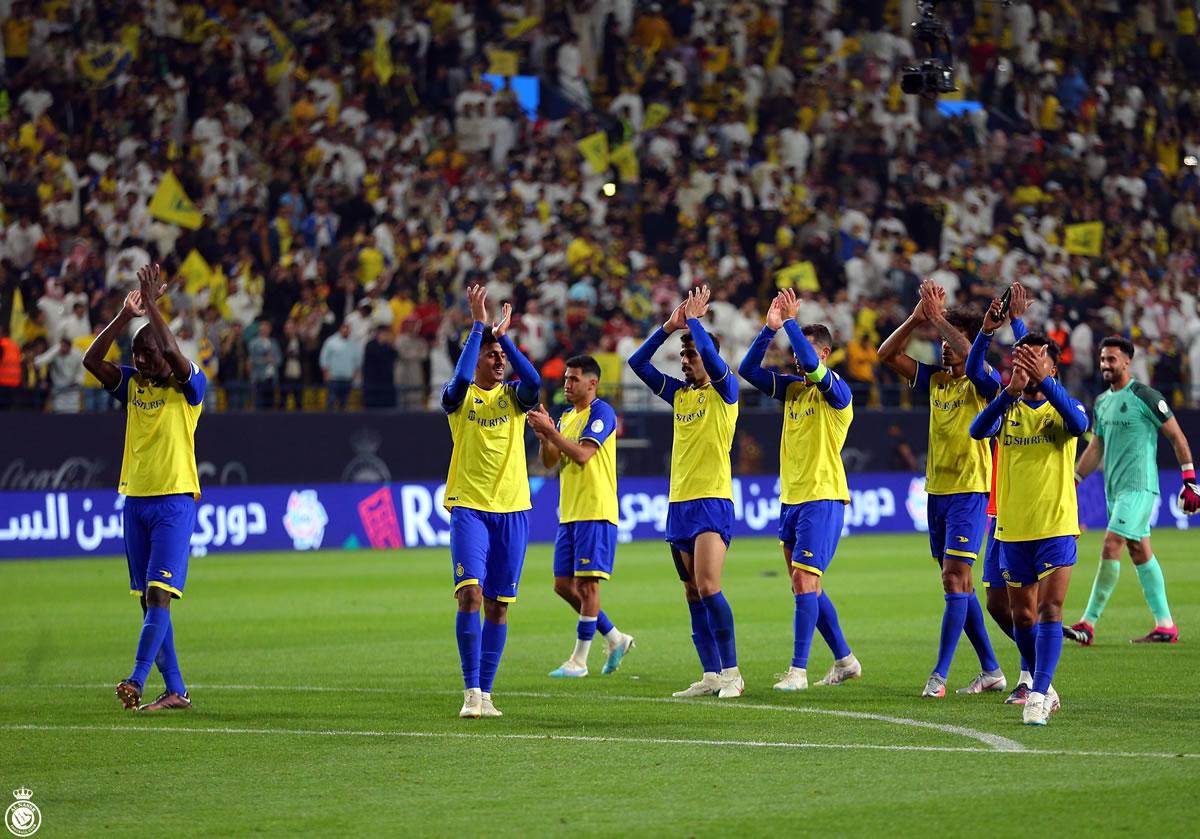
column 477, row 300
column 790, row 303
column 775, row 314
column 1029, row 361
column 1020, row 378
column 150, row 284
column 696, row 304
column 991, row 318
column 933, row 298
column 677, row 320
column 1189, row 496
column 500, row 327
column 133, row 304
column 1018, row 304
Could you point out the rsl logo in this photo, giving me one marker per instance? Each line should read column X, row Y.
column 23, row 818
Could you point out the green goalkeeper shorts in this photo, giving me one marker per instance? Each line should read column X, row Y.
column 1129, row 515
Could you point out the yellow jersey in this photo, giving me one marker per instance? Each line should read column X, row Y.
column 589, row 492
column 487, row 467
column 956, row 463
column 810, row 455
column 704, row 425
column 1035, row 475
column 160, row 434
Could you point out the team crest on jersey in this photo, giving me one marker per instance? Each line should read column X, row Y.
column 700, row 400
column 503, row 403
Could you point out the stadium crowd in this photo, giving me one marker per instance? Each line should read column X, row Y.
column 321, row 182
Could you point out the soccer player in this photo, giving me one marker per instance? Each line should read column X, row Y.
column 993, row 578
column 817, row 413
column 584, row 447
column 164, row 395
column 1038, row 514
column 957, row 474
column 700, row 509
column 487, row 494
column 1129, row 416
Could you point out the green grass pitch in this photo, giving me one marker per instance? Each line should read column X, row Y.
column 327, row 691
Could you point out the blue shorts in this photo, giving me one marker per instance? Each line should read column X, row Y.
column 585, row 549
column 688, row 519
column 488, row 550
column 956, row 525
column 993, row 574
column 1024, row 563
column 811, row 531
column 158, row 537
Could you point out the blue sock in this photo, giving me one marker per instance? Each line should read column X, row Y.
column 466, row 630
column 1008, row 630
column 702, row 637
column 954, row 616
column 154, row 628
column 976, row 630
column 603, row 624
column 807, row 610
column 1027, row 643
column 830, row 629
column 720, row 619
column 491, row 648
column 168, row 664
column 1049, row 648
column 586, row 630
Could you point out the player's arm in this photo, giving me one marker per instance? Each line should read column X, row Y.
column 529, row 388
column 832, row 386
column 1189, row 495
column 987, row 422
column 1074, row 415
column 982, row 376
column 773, row 384
column 933, row 298
column 547, row 451
column 94, row 360
column 189, row 375
column 664, row 386
column 891, row 351
column 722, row 378
column 455, row 390
column 1092, row 459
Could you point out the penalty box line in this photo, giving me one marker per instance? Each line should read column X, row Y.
column 157, row 730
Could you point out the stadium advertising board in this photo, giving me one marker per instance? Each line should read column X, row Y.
column 398, row 515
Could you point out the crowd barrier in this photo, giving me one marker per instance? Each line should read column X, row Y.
column 302, row 517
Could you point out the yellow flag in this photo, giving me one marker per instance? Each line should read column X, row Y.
column 102, row 65
column 611, row 365
column 1085, row 239
column 594, row 149
column 381, row 57
column 196, row 273
column 520, row 27
column 624, row 158
column 801, row 276
column 776, row 49
column 279, row 50
column 716, row 59
column 170, row 203
column 503, row 62
column 656, row 114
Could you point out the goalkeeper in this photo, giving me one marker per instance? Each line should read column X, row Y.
column 1128, row 416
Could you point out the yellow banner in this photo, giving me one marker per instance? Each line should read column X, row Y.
column 716, row 59
column 801, row 276
column 1085, row 239
column 503, row 62
column 196, row 272
column 102, row 65
column 776, row 49
column 625, row 159
column 171, row 204
column 594, row 149
column 520, row 27
column 656, row 115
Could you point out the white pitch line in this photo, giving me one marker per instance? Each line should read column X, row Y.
column 996, row 741
column 574, row 738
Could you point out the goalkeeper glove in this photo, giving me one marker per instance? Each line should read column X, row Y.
column 1189, row 493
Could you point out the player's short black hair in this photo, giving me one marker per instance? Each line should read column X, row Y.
column 489, row 337
column 716, row 340
column 1123, row 344
column 966, row 319
column 818, row 335
column 1037, row 339
column 585, row 363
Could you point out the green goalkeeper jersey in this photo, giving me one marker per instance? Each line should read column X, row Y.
column 1128, row 421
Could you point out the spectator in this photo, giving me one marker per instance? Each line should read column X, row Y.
column 379, row 370
column 341, row 362
column 235, row 367
column 64, row 363
column 264, row 358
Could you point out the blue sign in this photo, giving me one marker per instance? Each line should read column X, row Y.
column 399, row 515
column 528, row 90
